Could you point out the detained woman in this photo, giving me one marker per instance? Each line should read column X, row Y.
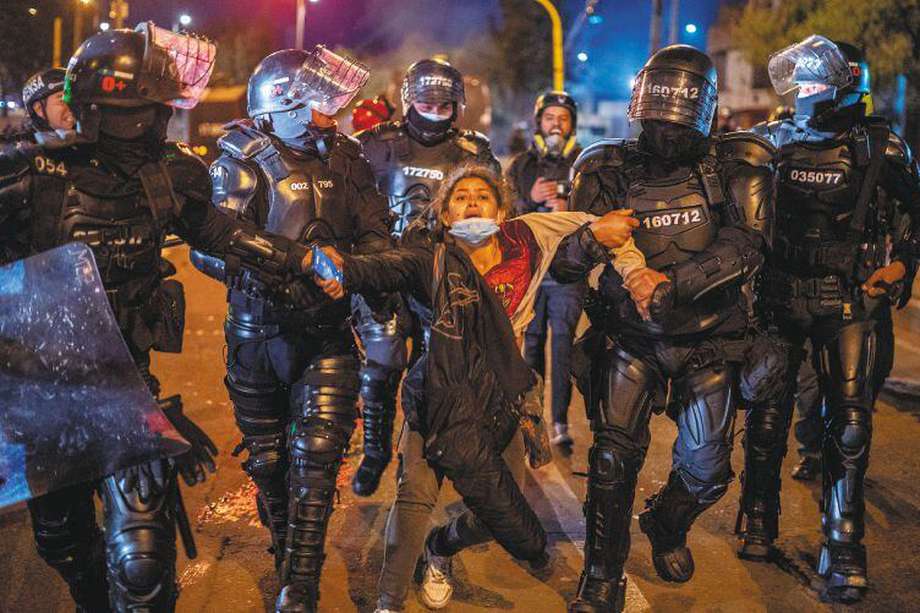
column 479, row 277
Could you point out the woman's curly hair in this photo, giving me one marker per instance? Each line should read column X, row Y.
column 494, row 180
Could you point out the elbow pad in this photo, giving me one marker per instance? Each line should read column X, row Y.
column 208, row 264
column 273, row 261
column 719, row 266
column 577, row 255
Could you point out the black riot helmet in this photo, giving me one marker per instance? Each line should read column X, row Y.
column 677, row 85
column 555, row 98
column 553, row 145
column 861, row 84
column 37, row 88
column 831, row 80
column 431, row 81
column 288, row 85
column 122, row 81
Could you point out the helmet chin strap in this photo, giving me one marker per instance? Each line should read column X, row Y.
column 294, row 132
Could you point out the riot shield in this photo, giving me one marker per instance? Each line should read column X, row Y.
column 73, row 406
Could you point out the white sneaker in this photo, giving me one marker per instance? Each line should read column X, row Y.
column 562, row 437
column 436, row 590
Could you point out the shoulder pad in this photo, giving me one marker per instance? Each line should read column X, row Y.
column 347, row 145
column 243, row 141
column 747, row 147
column 897, row 150
column 188, row 172
column 605, row 152
column 473, row 142
column 387, row 130
column 777, row 132
column 234, row 183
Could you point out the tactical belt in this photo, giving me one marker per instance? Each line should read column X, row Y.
column 829, row 289
column 839, row 256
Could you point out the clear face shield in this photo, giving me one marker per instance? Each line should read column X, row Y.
column 176, row 66
column 327, row 82
column 813, row 66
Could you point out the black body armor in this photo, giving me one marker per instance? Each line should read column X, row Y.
column 702, row 223
column 836, row 214
column 410, row 173
column 303, row 196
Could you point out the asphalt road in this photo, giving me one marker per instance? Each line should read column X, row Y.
column 234, row 574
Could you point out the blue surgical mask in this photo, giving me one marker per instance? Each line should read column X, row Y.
column 474, row 230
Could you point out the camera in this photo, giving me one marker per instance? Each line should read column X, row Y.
column 563, row 189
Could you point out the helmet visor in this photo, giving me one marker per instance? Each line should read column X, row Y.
column 176, row 68
column 673, row 95
column 327, row 81
column 815, row 60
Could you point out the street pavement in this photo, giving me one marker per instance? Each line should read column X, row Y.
column 233, row 572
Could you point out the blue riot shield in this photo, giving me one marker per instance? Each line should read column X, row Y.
column 73, row 406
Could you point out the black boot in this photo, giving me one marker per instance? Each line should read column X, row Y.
column 297, row 598
column 758, row 532
column 842, row 561
column 599, row 596
column 378, row 414
column 608, row 513
column 766, row 430
column 666, row 520
column 844, row 570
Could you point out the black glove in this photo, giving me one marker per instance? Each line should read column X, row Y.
column 192, row 463
column 533, row 427
column 146, row 479
column 662, row 302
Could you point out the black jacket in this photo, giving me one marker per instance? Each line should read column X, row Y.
column 473, row 375
column 524, row 170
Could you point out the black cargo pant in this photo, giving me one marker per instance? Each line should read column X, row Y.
column 705, row 375
column 294, row 392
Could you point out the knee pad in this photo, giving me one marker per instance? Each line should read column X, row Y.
column 140, row 548
column 267, row 457
column 852, row 428
column 319, row 442
column 706, row 492
column 259, row 410
column 609, row 466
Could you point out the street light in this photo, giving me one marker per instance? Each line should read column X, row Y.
column 185, row 19
column 558, row 58
column 690, row 28
column 582, row 56
column 104, row 26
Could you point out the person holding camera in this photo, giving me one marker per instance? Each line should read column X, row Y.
column 540, row 179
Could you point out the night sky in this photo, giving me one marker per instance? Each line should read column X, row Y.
column 616, row 48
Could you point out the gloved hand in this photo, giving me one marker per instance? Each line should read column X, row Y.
column 662, row 301
column 533, row 427
column 191, row 464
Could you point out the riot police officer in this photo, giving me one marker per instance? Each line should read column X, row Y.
column 540, row 180
column 705, row 208
column 292, row 371
column 42, row 95
column 830, row 281
column 410, row 158
column 117, row 185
